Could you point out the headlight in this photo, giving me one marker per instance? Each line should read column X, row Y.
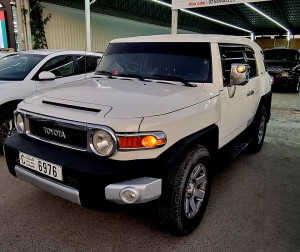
column 19, row 123
column 104, row 143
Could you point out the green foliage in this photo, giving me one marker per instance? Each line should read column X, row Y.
column 24, row 11
column 38, row 23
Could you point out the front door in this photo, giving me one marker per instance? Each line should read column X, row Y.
column 239, row 102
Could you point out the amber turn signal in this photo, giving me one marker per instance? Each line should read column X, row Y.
column 140, row 142
column 152, row 141
column 241, row 69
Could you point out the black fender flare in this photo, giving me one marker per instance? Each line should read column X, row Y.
column 266, row 101
column 7, row 107
column 208, row 137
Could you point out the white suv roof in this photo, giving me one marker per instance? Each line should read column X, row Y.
column 188, row 38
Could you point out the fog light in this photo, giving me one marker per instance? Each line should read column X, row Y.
column 130, row 195
column 19, row 122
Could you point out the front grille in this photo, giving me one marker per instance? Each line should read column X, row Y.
column 51, row 131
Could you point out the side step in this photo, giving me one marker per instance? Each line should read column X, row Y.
column 237, row 149
column 228, row 153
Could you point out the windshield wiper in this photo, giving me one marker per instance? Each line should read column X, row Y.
column 109, row 74
column 140, row 77
column 175, row 78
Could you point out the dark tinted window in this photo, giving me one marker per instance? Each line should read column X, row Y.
column 189, row 61
column 281, row 54
column 250, row 59
column 91, row 63
column 81, row 64
column 17, row 66
column 236, row 54
column 61, row 66
column 87, row 64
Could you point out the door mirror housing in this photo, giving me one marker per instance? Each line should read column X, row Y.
column 239, row 74
column 46, row 75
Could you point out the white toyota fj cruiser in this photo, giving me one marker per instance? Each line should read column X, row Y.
column 147, row 126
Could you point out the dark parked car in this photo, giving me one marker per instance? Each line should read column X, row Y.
column 284, row 65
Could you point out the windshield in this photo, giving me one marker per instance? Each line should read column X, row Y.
column 17, row 66
column 290, row 55
column 187, row 61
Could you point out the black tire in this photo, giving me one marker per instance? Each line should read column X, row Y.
column 258, row 131
column 174, row 208
column 6, row 127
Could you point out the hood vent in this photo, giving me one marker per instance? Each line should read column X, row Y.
column 72, row 106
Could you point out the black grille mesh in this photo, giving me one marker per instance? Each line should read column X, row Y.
column 63, row 135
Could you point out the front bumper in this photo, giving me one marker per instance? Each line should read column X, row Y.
column 85, row 176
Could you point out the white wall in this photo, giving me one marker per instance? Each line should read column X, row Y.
column 66, row 29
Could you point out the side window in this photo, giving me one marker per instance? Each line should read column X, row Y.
column 91, row 63
column 87, row 64
column 61, row 66
column 231, row 54
column 250, row 54
column 81, row 64
column 238, row 54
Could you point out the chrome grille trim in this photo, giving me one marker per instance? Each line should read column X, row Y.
column 90, row 129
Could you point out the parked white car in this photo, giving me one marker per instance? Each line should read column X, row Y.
column 24, row 73
column 147, row 127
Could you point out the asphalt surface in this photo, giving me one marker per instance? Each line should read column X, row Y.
column 254, row 206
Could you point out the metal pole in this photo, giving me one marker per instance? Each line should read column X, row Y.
column 174, row 23
column 28, row 28
column 88, row 25
column 24, row 25
column 21, row 39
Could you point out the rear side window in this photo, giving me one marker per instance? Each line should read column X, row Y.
column 236, row 54
column 91, row 63
column 81, row 64
column 87, row 64
column 250, row 59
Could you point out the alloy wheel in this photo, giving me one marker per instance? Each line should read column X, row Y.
column 195, row 191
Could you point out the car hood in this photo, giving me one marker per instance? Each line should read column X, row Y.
column 126, row 98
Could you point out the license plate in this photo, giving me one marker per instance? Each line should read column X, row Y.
column 41, row 166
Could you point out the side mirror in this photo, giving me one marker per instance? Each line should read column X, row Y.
column 239, row 74
column 46, row 75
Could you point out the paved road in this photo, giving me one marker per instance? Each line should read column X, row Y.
column 254, row 206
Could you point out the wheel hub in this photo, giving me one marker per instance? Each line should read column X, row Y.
column 195, row 191
column 191, row 188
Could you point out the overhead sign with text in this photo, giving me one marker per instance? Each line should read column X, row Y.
column 186, row 4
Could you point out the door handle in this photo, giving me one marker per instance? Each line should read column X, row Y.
column 251, row 92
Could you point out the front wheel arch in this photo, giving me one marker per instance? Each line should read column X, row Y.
column 6, row 124
column 171, row 208
column 8, row 107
